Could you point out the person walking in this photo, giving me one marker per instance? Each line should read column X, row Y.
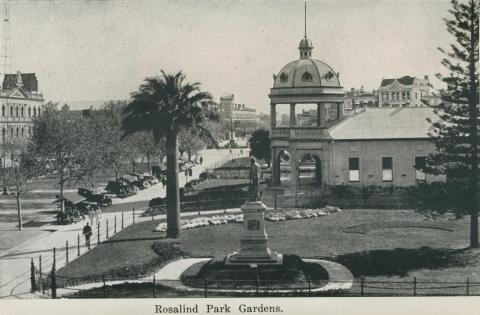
column 91, row 215
column 190, row 172
column 98, row 216
column 87, row 232
column 201, row 160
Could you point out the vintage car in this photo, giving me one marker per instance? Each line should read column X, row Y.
column 121, row 188
column 100, row 199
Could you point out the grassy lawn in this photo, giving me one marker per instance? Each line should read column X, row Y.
column 11, row 237
column 128, row 253
column 379, row 244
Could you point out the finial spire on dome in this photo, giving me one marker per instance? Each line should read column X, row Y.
column 305, row 19
column 305, row 45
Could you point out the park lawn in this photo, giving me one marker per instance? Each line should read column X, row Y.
column 381, row 253
column 127, row 254
column 10, row 236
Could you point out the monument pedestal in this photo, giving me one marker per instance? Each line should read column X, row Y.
column 253, row 244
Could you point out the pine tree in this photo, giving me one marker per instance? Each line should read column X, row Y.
column 456, row 132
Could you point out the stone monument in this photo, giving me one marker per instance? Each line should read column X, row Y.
column 253, row 244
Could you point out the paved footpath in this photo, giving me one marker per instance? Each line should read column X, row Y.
column 15, row 263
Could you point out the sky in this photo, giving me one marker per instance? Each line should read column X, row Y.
column 102, row 50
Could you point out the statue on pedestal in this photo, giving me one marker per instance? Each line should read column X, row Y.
column 255, row 175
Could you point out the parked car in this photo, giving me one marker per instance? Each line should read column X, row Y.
column 100, row 199
column 207, row 175
column 121, row 189
column 84, row 207
column 140, row 184
column 151, row 179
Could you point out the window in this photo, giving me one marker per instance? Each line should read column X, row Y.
column 11, row 111
column 29, row 111
column 387, row 169
column 354, row 169
column 420, row 164
column 408, row 95
column 21, row 111
column 16, row 110
column 3, row 110
column 307, row 77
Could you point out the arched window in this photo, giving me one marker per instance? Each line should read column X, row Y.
column 29, row 111
column 307, row 76
column 3, row 110
column 16, row 109
column 21, row 111
column 11, row 111
column 34, row 111
column 23, row 131
column 16, row 133
column 3, row 133
column 11, row 132
column 284, row 77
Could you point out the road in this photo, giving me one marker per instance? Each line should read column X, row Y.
column 15, row 263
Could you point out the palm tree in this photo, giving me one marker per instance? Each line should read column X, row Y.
column 164, row 105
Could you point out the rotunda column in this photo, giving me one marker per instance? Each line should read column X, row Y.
column 273, row 115
column 292, row 115
column 323, row 115
column 318, row 114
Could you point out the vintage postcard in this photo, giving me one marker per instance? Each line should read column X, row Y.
column 231, row 157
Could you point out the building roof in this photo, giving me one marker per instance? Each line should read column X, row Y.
column 386, row 123
column 405, row 80
column 306, row 73
column 29, row 81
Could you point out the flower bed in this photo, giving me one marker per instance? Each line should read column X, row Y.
column 275, row 216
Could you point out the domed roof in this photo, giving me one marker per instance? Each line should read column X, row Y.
column 306, row 73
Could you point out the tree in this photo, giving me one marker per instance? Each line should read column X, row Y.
column 19, row 172
column 189, row 143
column 456, row 133
column 61, row 144
column 260, row 145
column 165, row 105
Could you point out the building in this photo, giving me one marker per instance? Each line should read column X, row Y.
column 406, row 91
column 235, row 112
column 242, row 119
column 20, row 102
column 359, row 98
column 379, row 146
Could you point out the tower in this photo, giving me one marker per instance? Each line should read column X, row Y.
column 6, row 40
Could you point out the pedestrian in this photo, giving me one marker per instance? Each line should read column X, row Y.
column 241, row 152
column 91, row 215
column 98, row 216
column 87, row 232
column 164, row 181
column 201, row 160
column 190, row 172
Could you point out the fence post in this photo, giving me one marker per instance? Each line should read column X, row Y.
column 154, row 283
column 32, row 276
column 40, row 265
column 54, row 255
column 205, row 287
column 257, row 284
column 104, row 286
column 275, row 192
column 78, row 244
column 54, row 279
column 115, row 224
column 107, row 227
column 414, row 286
column 362, row 280
column 66, row 250
column 468, row 286
column 133, row 215
column 309, row 286
column 122, row 219
column 98, row 233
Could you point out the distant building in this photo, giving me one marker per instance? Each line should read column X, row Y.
column 242, row 119
column 235, row 112
column 20, row 102
column 359, row 98
column 406, row 91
